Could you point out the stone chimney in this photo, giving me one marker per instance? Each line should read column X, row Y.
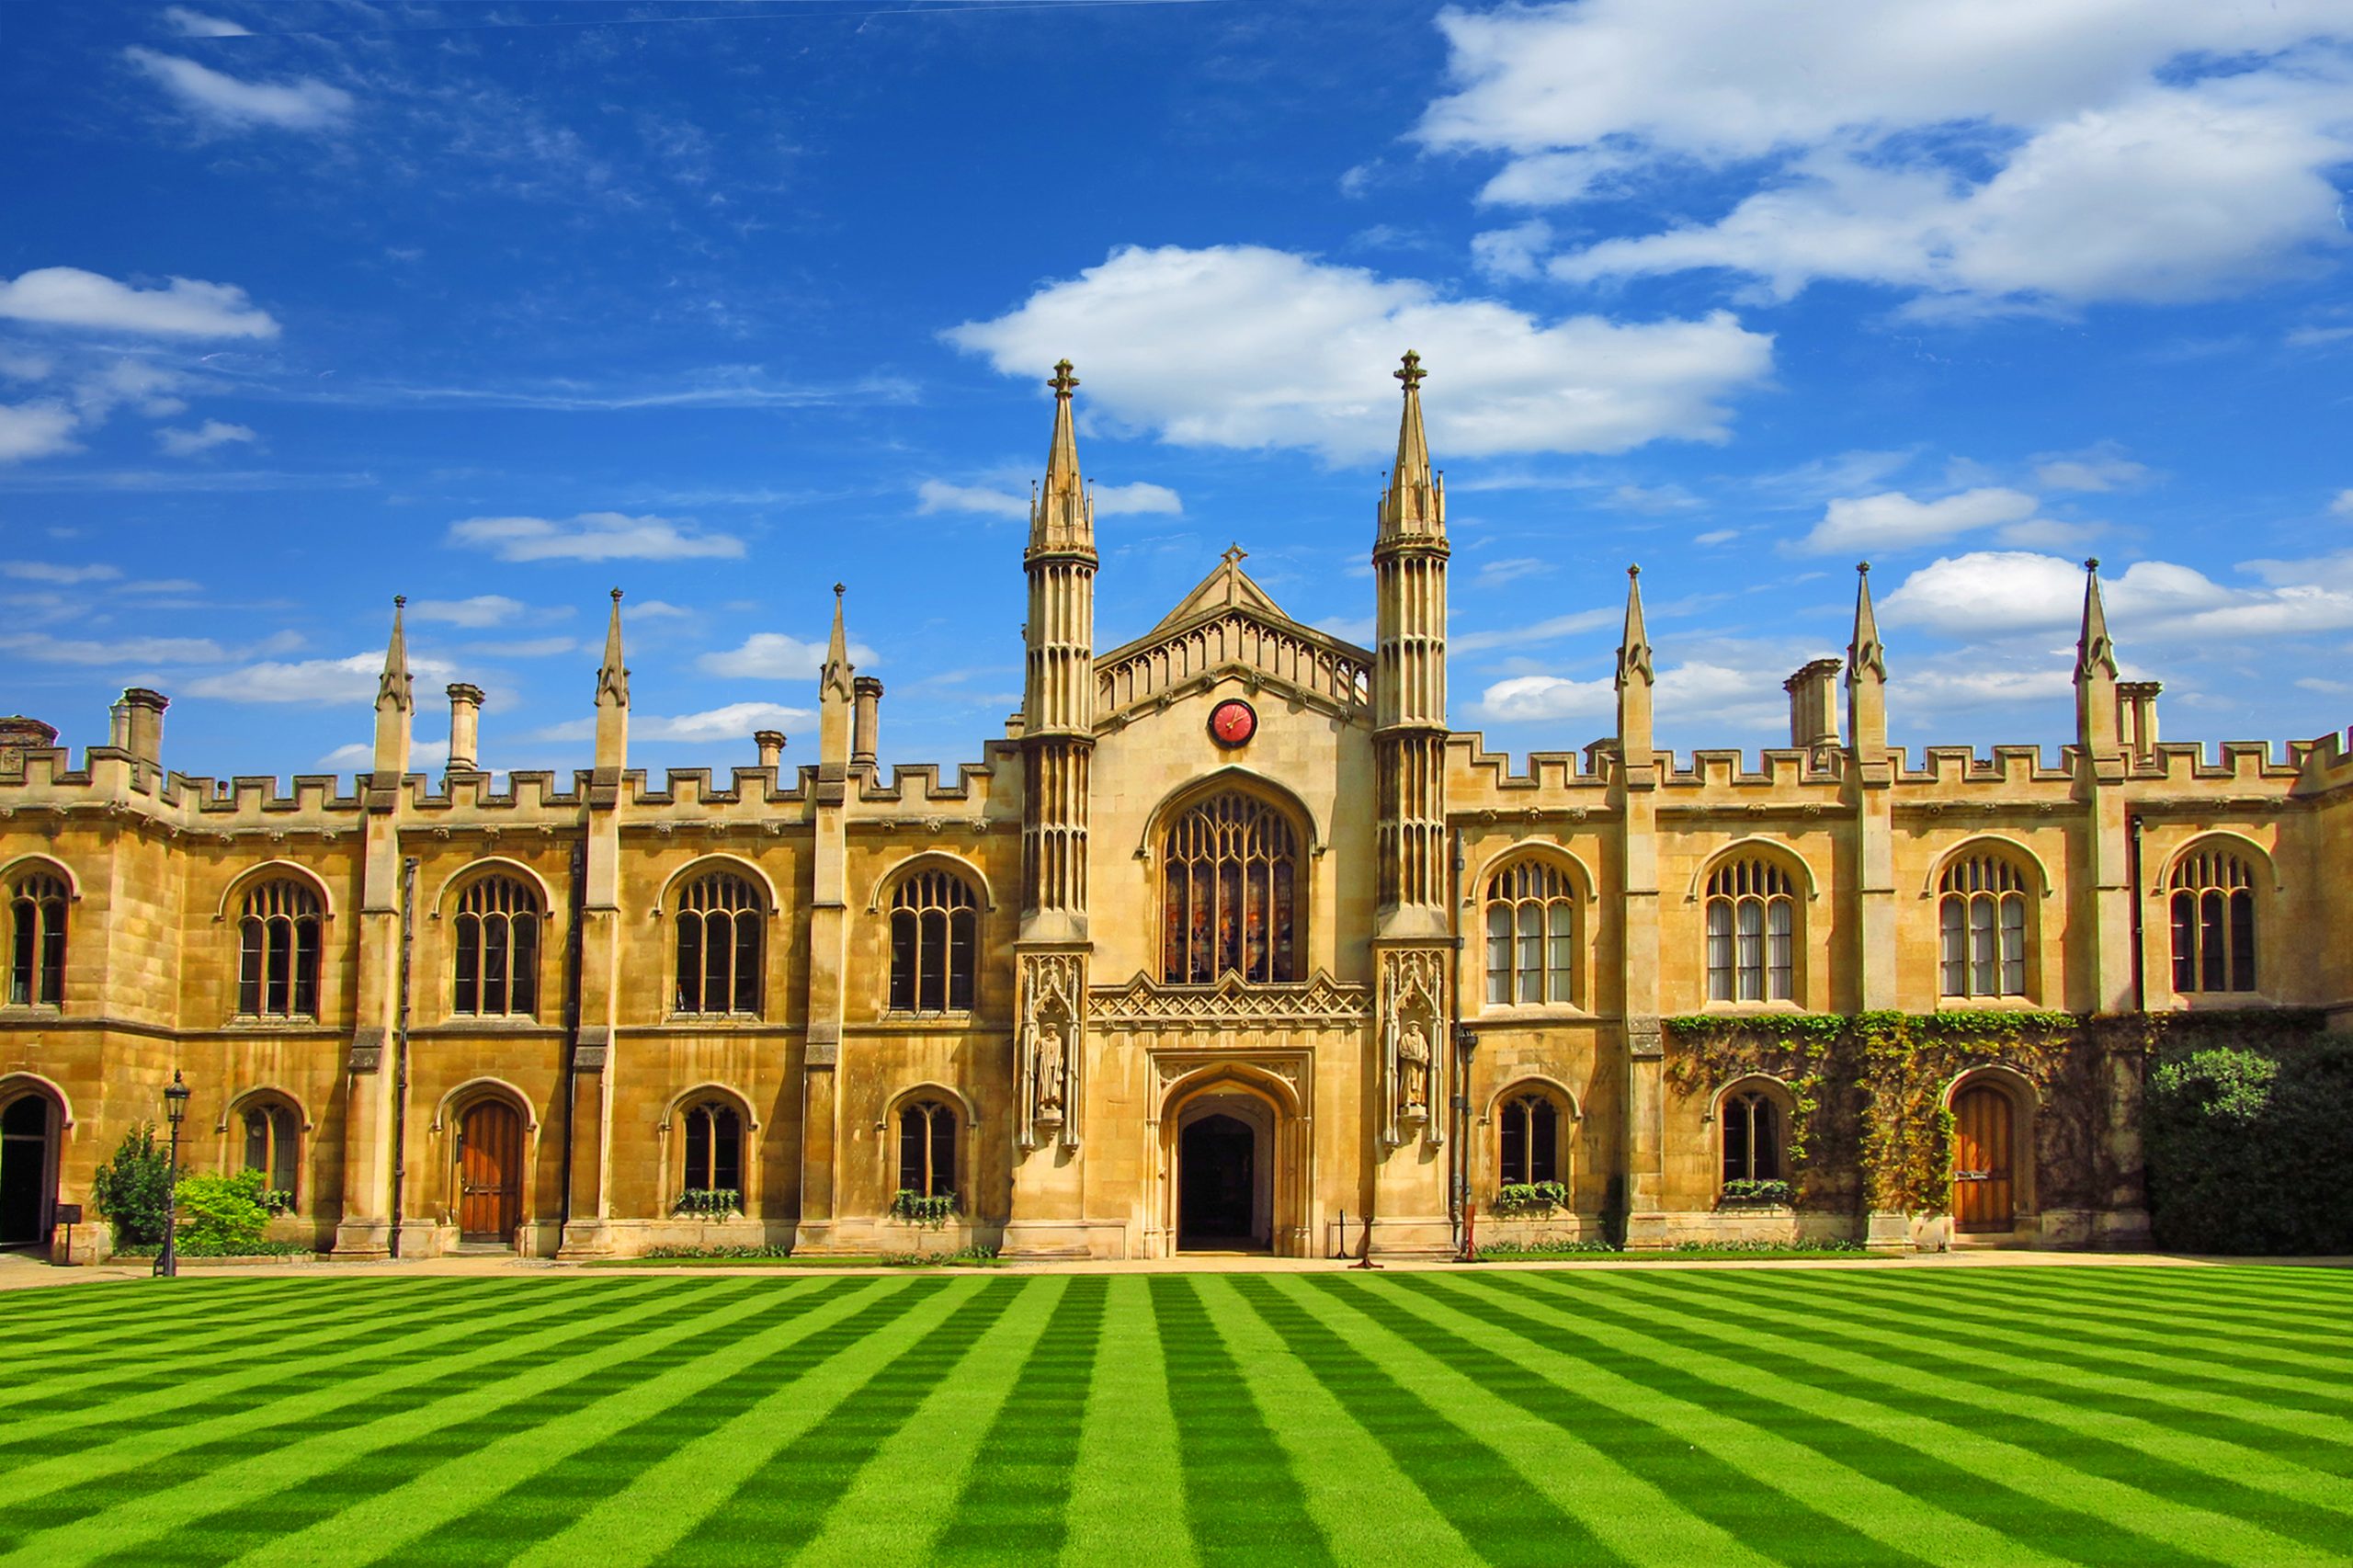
column 866, row 720
column 465, row 728
column 2136, row 717
column 1814, row 705
column 18, row 735
column 771, row 744
column 139, row 724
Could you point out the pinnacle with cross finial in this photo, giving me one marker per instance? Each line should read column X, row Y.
column 1411, row 373
column 1063, row 381
column 1234, row 554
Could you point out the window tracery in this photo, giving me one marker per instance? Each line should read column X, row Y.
column 497, row 950
column 720, row 930
column 2213, row 922
column 37, row 940
column 1230, row 873
column 1752, row 932
column 935, row 923
column 1982, row 925
column 278, row 965
column 1531, row 933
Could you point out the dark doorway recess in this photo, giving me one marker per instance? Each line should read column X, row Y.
column 25, row 1172
column 1217, row 1187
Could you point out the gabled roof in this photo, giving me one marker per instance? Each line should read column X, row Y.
column 1226, row 587
column 1230, row 623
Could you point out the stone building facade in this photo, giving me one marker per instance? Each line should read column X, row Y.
column 1231, row 942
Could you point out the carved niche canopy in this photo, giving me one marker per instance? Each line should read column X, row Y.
column 1145, row 1004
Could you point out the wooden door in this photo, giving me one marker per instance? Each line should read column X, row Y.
column 490, row 1173
column 1981, row 1160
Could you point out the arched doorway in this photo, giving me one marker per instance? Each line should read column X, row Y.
column 28, row 1170
column 1983, row 1188
column 490, row 1172
column 1222, row 1199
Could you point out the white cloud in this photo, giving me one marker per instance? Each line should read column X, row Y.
column 195, row 24
column 1494, row 573
column 529, row 648
column 322, row 682
column 359, row 757
column 594, row 536
column 203, row 439
column 2097, row 471
column 771, row 655
column 49, row 572
column 1524, row 697
column 1993, row 594
column 1244, row 346
column 303, row 104
column 1513, row 252
column 482, row 610
column 68, row 296
column 1357, row 629
column 1716, row 536
column 1125, row 500
column 35, row 430
column 1700, row 694
column 1893, row 520
column 937, row 495
column 120, row 651
column 656, row 609
column 2343, row 505
column 1998, row 155
column 1549, row 631
column 734, row 723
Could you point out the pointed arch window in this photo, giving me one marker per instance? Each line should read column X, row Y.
column 1528, row 1139
column 1752, row 932
column 928, row 1148
column 935, row 928
column 1753, row 1137
column 497, row 950
column 273, row 1135
column 37, row 904
column 722, row 924
column 2213, row 922
column 1982, row 921
column 277, row 961
column 714, row 1150
column 1231, row 893
column 1532, row 935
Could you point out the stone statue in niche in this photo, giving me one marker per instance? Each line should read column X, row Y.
column 1413, row 1069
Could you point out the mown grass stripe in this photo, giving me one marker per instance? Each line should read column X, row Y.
column 230, row 1413
column 2121, row 1427
column 1127, row 1489
column 546, row 1482
column 1626, row 1513
column 447, row 1462
column 230, row 1471
column 1011, row 1507
column 1243, row 1505
column 1364, row 1499
column 2207, row 1379
column 2188, row 1296
column 91, row 1380
column 2099, row 1475
column 1789, row 1482
column 1847, row 1420
column 905, row 1487
column 779, row 1508
column 2300, row 1346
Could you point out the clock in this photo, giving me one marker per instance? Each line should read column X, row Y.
column 1232, row 722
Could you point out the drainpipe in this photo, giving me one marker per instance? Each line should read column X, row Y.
column 576, row 894
column 1458, row 1165
column 2132, row 879
column 400, row 1052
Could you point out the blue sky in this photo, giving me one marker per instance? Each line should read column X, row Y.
column 303, row 305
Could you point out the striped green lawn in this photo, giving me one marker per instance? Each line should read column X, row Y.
column 1664, row 1416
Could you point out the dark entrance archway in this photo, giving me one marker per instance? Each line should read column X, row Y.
column 28, row 1170
column 1217, row 1187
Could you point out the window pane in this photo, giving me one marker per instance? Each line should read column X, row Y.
column 525, row 992
column 2013, row 945
column 284, row 1144
column 726, row 1151
column 2184, row 941
column 943, row 1151
column 1543, row 1137
column 1780, row 950
column 1736, row 1137
column 959, row 960
column 494, row 965
column 257, row 1140
column 1953, row 979
column 20, row 950
column 249, row 962
column 1764, row 1139
column 1748, row 920
column 931, row 970
column 689, row 964
column 2211, row 953
column 466, row 998
column 2241, row 940
column 306, row 966
column 1531, row 953
column 1719, row 951
column 1981, row 946
column 1562, row 919
column 1498, row 953
column 1512, row 1149
column 911, row 1149
column 698, row 1149
column 749, row 929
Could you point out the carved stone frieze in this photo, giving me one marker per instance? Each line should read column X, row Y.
column 1232, row 1003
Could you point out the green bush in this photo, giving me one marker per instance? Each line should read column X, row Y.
column 708, row 1202
column 935, row 1210
column 2244, row 1149
column 1741, row 1189
column 133, row 1190
column 222, row 1215
column 1530, row 1197
column 214, row 1249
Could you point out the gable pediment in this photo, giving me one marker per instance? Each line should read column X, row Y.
column 1230, row 624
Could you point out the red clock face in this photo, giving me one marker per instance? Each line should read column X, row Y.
column 1231, row 724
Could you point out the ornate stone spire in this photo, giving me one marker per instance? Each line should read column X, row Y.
column 395, row 685
column 836, row 697
column 612, row 697
column 1061, row 516
column 2095, row 650
column 1866, row 675
column 1634, row 645
column 834, row 675
column 1414, row 503
column 395, row 701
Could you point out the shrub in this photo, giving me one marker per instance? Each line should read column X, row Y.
column 2242, row 1146
column 222, row 1215
column 761, row 1251
column 935, row 1210
column 133, row 1190
column 1741, row 1190
column 708, row 1202
column 1531, row 1198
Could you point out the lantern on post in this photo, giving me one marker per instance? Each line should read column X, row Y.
column 167, row 1262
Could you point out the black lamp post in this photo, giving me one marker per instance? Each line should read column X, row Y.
column 167, row 1262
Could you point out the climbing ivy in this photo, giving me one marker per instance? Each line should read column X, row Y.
column 1870, row 1129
